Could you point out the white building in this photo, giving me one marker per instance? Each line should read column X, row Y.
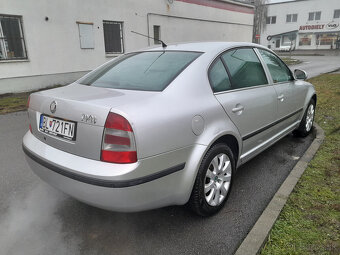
column 304, row 25
column 46, row 42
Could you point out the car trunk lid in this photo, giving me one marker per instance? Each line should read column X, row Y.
column 86, row 106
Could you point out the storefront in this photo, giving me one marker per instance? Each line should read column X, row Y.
column 320, row 36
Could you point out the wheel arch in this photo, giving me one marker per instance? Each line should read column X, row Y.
column 310, row 94
column 232, row 143
column 314, row 97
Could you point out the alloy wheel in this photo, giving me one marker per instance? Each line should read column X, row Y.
column 217, row 179
column 309, row 117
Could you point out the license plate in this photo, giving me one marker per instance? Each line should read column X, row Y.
column 58, row 127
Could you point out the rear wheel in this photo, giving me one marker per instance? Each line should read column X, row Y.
column 213, row 181
column 306, row 123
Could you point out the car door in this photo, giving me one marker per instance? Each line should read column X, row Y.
column 241, row 86
column 288, row 94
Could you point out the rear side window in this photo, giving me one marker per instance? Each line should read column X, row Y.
column 218, row 77
column 278, row 70
column 148, row 71
column 245, row 68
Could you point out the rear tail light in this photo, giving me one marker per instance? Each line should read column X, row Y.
column 118, row 144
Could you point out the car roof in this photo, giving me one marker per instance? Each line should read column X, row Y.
column 207, row 47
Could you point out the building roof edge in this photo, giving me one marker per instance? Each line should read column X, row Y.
column 238, row 3
column 287, row 2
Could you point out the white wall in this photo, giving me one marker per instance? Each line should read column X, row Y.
column 53, row 46
column 185, row 30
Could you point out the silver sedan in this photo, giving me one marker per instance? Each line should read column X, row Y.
column 166, row 126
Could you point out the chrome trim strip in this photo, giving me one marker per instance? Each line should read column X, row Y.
column 269, row 140
column 240, row 89
column 270, row 125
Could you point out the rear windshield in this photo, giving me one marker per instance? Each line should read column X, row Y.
column 148, row 71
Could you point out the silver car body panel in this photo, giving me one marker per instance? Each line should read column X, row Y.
column 173, row 130
column 256, row 111
column 175, row 188
column 72, row 102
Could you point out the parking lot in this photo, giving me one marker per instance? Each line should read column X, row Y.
column 37, row 219
column 316, row 65
column 169, row 76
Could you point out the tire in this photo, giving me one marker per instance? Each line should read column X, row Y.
column 306, row 124
column 213, row 181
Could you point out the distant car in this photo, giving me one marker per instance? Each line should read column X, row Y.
column 284, row 48
column 166, row 126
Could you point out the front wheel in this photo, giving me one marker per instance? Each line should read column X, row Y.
column 213, row 182
column 306, row 123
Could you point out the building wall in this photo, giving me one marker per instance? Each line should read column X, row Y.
column 53, row 46
column 302, row 8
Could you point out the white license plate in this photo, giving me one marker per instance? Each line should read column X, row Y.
column 58, row 127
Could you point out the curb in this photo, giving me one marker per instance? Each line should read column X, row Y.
column 334, row 71
column 258, row 235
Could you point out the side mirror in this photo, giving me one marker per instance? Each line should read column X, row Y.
column 300, row 74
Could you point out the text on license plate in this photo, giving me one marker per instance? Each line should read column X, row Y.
column 58, row 127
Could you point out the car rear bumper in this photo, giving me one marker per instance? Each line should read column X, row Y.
column 154, row 182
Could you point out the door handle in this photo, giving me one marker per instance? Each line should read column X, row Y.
column 281, row 97
column 238, row 109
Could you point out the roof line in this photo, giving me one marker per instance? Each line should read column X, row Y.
column 287, row 2
column 239, row 3
column 223, row 5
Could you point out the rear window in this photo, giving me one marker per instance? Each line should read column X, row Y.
column 148, row 71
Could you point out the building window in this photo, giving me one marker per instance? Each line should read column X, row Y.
column 291, row 18
column 305, row 40
column 86, row 35
column 271, row 20
column 336, row 14
column 12, row 43
column 326, row 39
column 314, row 16
column 113, row 36
column 156, row 34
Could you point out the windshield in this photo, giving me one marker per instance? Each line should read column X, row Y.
column 149, row 71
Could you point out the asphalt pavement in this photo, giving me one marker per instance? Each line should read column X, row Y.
column 316, row 65
column 37, row 219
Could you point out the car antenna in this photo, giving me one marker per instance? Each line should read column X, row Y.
column 163, row 43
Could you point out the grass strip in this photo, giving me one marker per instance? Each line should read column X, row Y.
column 14, row 102
column 310, row 221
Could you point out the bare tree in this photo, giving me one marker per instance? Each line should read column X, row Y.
column 260, row 16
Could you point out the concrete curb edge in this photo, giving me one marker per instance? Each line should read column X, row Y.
column 258, row 235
